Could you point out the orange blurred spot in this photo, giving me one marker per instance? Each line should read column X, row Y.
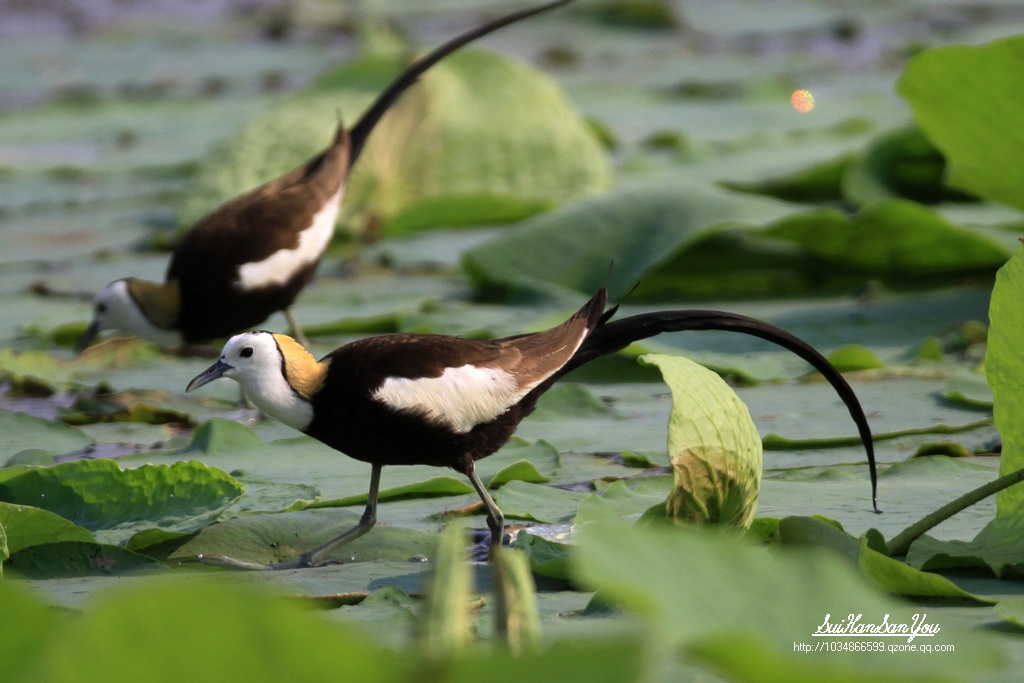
column 802, row 101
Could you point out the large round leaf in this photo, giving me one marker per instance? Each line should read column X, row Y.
column 481, row 138
column 99, row 495
column 968, row 99
column 637, row 230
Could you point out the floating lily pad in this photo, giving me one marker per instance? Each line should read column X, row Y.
column 695, row 242
column 67, row 559
column 463, row 210
column 819, row 182
column 20, row 432
column 218, row 435
column 998, row 548
column 522, row 500
column 624, row 499
column 284, row 536
column 569, row 400
column 547, row 557
column 968, row 388
column 100, row 496
column 903, row 579
column 540, row 457
column 852, row 357
column 435, row 486
column 775, row 442
column 109, row 362
column 637, row 230
column 26, row 526
column 1012, row 611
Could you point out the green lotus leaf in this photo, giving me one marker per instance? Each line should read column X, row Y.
column 966, row 98
column 100, row 496
column 481, row 138
column 1004, row 367
column 713, row 444
column 27, row 526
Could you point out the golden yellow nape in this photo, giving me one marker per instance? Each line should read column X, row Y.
column 303, row 372
column 160, row 302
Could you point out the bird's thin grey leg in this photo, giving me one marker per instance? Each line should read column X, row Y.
column 499, row 582
column 314, row 557
column 495, row 518
column 297, row 332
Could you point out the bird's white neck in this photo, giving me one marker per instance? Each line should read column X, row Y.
column 270, row 392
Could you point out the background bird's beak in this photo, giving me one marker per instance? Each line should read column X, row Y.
column 88, row 336
column 215, row 371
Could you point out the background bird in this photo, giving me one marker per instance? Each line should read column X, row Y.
column 252, row 256
column 427, row 399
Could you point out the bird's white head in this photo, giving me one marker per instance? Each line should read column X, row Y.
column 115, row 307
column 260, row 362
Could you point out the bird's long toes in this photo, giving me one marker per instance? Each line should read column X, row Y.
column 480, row 550
column 226, row 562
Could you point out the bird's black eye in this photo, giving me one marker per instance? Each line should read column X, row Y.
column 246, row 352
column 101, row 308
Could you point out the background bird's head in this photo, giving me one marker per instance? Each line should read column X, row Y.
column 136, row 307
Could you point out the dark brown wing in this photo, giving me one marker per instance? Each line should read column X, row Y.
column 528, row 357
column 438, row 400
column 532, row 358
column 248, row 229
column 256, row 224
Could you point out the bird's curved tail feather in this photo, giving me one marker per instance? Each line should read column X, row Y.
column 614, row 335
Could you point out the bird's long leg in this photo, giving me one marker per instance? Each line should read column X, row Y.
column 495, row 518
column 314, row 557
column 297, row 332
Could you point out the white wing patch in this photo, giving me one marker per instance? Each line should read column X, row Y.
column 277, row 268
column 461, row 398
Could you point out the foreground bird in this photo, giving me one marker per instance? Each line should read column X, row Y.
column 252, row 256
column 424, row 399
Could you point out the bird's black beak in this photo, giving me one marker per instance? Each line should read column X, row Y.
column 215, row 371
column 88, row 336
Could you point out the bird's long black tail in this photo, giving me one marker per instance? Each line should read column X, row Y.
column 361, row 131
column 614, row 335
